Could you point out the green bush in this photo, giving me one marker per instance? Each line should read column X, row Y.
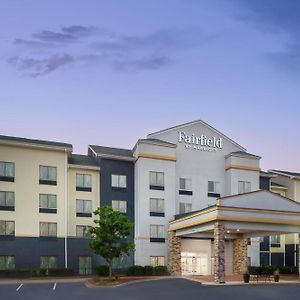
column 21, row 273
column 60, row 272
column 40, row 272
column 102, row 270
column 135, row 271
column 148, row 270
column 160, row 271
column 288, row 270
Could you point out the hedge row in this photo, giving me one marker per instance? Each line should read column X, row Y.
column 25, row 273
column 103, row 270
column 269, row 270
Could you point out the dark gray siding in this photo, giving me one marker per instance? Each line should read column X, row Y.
column 264, row 183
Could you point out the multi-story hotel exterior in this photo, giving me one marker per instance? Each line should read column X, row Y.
column 180, row 187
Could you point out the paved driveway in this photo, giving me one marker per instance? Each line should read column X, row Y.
column 175, row 289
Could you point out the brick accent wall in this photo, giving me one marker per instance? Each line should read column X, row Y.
column 174, row 253
column 219, row 250
column 240, row 257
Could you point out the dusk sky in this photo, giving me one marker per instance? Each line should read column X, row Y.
column 110, row 72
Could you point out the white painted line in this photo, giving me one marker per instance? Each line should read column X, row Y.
column 19, row 287
column 54, row 287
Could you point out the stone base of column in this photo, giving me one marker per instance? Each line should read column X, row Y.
column 174, row 253
column 240, row 257
column 219, row 248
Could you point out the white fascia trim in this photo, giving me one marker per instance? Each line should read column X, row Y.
column 284, row 174
column 274, row 187
column 152, row 143
column 196, row 122
column 84, row 167
column 243, row 156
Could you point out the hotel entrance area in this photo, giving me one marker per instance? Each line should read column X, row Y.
column 214, row 241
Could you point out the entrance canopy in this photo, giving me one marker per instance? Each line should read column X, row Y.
column 254, row 214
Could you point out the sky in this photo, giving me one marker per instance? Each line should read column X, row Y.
column 110, row 72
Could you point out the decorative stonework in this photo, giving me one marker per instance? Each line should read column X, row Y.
column 240, row 258
column 174, row 253
column 219, row 250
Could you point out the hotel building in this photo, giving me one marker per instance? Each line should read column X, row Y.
column 199, row 202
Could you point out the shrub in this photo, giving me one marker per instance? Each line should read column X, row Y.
column 148, row 270
column 40, row 272
column 135, row 271
column 102, row 270
column 21, row 273
column 160, row 271
column 60, row 272
column 288, row 270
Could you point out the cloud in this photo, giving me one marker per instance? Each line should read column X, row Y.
column 38, row 67
column 93, row 45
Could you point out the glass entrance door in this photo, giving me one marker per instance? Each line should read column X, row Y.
column 194, row 263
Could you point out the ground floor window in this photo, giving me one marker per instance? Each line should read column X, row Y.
column 157, row 261
column 120, row 262
column 7, row 262
column 85, row 265
column 48, row 262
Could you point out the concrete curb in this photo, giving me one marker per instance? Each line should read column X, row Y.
column 46, row 280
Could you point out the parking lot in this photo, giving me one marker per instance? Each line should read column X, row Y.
column 163, row 289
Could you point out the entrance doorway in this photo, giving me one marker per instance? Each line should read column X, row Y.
column 194, row 263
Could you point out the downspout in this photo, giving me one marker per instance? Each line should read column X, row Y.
column 66, row 210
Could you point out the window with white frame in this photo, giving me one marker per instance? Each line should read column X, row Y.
column 157, row 205
column 83, row 208
column 7, row 262
column 157, row 178
column 83, row 231
column 7, row 200
column 185, row 207
column 83, row 182
column 118, row 181
column 157, row 231
column 119, row 205
column 185, row 184
column 48, row 175
column 48, row 229
column 7, row 170
column 214, row 187
column 7, row 227
column 157, row 261
column 244, row 187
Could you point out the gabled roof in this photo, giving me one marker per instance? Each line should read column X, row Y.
column 266, row 174
column 82, row 160
column 292, row 175
column 113, row 153
column 4, row 139
column 243, row 153
column 193, row 123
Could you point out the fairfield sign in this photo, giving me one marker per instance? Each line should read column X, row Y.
column 202, row 142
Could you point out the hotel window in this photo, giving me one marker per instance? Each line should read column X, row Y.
column 157, row 233
column 48, row 203
column 118, row 181
column 7, row 171
column 213, row 189
column 185, row 186
column 48, row 229
column 48, row 262
column 157, row 207
column 83, row 182
column 244, row 187
column 83, row 208
column 48, row 175
column 7, row 228
column 185, row 208
column 157, row 261
column 157, row 180
column 85, row 265
column 275, row 241
column 7, row 201
column 119, row 205
column 83, row 231
column 7, row 262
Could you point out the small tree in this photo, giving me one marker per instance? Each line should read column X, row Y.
column 110, row 233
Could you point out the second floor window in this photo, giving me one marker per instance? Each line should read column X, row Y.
column 48, row 175
column 7, row 171
column 157, row 233
column 118, row 181
column 48, row 229
column 7, row 201
column 214, row 189
column 157, row 180
column 244, row 187
column 83, row 182
column 157, row 207
column 83, row 208
column 119, row 205
column 48, row 203
column 83, row 231
column 185, row 208
column 7, row 228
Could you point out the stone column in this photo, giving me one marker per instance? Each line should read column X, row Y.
column 219, row 249
column 174, row 253
column 240, row 257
